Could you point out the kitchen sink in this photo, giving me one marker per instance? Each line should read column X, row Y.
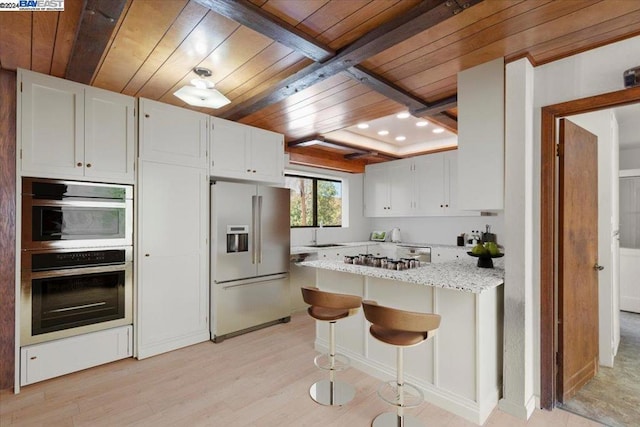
column 324, row 245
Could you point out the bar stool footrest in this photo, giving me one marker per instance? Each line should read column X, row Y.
column 412, row 396
column 340, row 362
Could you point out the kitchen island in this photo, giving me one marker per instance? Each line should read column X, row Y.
column 460, row 369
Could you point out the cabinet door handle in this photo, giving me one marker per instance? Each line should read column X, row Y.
column 146, row 254
column 33, row 357
column 254, row 171
column 79, row 164
column 146, row 115
column 441, row 206
column 88, row 165
column 248, row 170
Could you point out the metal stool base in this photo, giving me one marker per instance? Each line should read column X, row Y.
column 390, row 419
column 321, row 392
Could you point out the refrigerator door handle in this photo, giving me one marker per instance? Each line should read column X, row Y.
column 259, row 232
column 254, row 207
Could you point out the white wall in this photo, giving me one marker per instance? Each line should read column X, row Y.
column 630, row 158
column 441, row 230
column 589, row 73
column 602, row 124
column 358, row 227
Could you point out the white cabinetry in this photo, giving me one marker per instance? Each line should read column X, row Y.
column 51, row 359
column 389, row 188
column 444, row 254
column 72, row 131
column 247, row 153
column 173, row 229
column 481, row 136
column 417, row 186
column 338, row 254
column 173, row 135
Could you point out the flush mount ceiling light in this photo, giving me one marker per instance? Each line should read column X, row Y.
column 422, row 124
column 202, row 93
column 400, row 138
column 383, row 132
column 363, row 126
column 403, row 115
column 438, row 130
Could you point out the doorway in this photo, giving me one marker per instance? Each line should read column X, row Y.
column 549, row 390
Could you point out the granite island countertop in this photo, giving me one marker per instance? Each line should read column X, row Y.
column 461, row 275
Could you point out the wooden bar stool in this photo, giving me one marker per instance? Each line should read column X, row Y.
column 331, row 307
column 401, row 329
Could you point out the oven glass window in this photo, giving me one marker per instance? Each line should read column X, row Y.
column 76, row 223
column 71, row 301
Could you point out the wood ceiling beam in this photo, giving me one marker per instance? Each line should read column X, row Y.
column 323, row 159
column 97, row 22
column 386, row 88
column 252, row 16
column 422, row 17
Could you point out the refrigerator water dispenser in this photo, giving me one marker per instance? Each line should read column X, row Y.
column 237, row 238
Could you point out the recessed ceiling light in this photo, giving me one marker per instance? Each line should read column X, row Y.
column 363, row 126
column 400, row 138
column 438, row 130
column 383, row 132
column 403, row 115
column 422, row 124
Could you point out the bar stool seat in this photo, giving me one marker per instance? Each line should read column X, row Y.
column 401, row 329
column 331, row 307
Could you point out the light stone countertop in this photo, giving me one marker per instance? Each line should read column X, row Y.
column 461, row 275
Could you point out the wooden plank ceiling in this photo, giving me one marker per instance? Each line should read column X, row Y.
column 306, row 67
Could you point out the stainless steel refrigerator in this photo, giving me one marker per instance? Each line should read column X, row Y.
column 250, row 248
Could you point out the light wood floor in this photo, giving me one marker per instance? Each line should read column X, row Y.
column 258, row 379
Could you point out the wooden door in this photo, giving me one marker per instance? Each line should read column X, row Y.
column 577, row 258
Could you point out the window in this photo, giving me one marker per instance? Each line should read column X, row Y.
column 315, row 202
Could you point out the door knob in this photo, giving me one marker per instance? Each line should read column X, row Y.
column 598, row 267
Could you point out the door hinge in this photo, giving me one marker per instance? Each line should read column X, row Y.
column 557, row 359
column 20, row 86
column 21, row 154
column 558, row 150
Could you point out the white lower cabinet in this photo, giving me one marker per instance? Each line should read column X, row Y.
column 338, row 254
column 173, row 257
column 51, row 359
column 443, row 254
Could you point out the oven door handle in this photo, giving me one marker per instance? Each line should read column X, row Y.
column 76, row 203
column 63, row 272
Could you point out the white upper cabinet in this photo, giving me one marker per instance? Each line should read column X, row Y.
column 109, row 146
column 246, row 153
column 72, row 131
column 388, row 188
column 417, row 186
column 174, row 135
column 481, row 136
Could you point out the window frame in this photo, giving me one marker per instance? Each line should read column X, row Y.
column 315, row 180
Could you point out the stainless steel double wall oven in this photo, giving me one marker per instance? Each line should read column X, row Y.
column 77, row 257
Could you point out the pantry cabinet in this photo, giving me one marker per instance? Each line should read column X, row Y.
column 173, row 135
column 244, row 152
column 172, row 257
column 418, row 186
column 69, row 130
